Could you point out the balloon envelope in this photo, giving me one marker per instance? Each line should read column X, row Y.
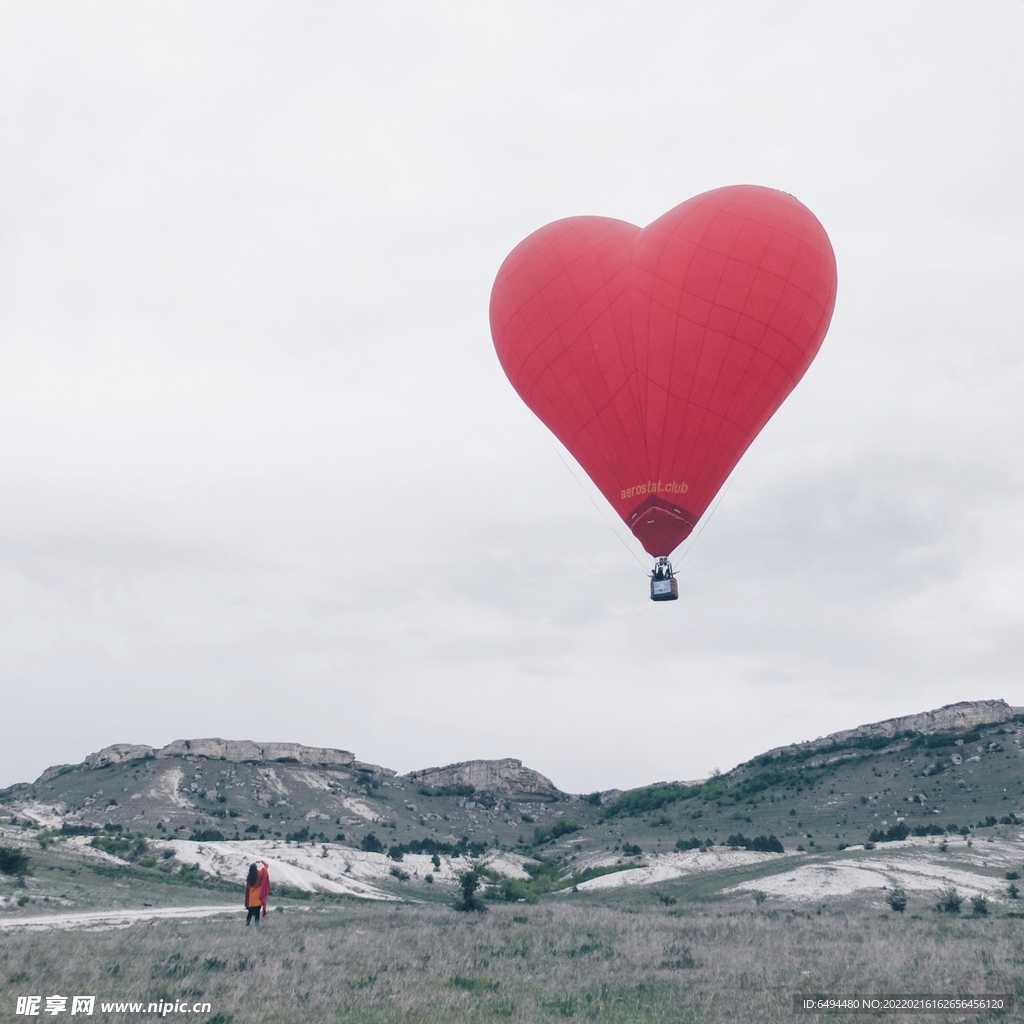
column 656, row 355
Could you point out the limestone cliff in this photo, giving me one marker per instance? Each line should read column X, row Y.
column 961, row 717
column 216, row 749
column 506, row 778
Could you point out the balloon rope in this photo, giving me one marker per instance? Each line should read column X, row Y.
column 598, row 507
column 721, row 497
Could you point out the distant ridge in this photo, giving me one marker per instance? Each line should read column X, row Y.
column 963, row 716
column 508, row 777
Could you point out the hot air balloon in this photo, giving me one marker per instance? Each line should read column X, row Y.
column 657, row 354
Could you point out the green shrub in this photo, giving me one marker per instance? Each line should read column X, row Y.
column 474, row 984
column 121, row 844
column 456, row 790
column 206, row 835
column 897, row 900
column 559, row 829
column 895, row 834
column 371, row 844
column 511, row 890
column 690, row 844
column 980, row 906
column 631, row 850
column 13, row 861
column 78, row 830
column 950, row 901
column 759, row 844
column 462, row 848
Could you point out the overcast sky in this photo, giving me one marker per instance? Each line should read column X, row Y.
column 261, row 475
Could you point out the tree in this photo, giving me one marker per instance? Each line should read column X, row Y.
column 469, row 882
column 371, row 844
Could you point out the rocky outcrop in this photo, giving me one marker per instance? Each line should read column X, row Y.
column 506, row 778
column 961, row 717
column 118, row 753
column 216, row 749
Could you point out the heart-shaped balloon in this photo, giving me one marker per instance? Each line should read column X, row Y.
column 656, row 355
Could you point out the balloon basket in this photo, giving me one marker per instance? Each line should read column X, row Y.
column 664, row 586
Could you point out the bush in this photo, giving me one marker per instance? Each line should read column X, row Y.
column 689, row 844
column 460, row 849
column 559, row 829
column 980, row 906
column 949, row 901
column 122, row 844
column 206, row 835
column 252, row 828
column 1013, row 892
column 897, row 900
column 13, row 861
column 895, row 834
column 759, row 844
column 511, row 890
column 371, row 844
column 630, row 850
column 474, row 984
column 78, row 830
column 456, row 790
column 302, row 835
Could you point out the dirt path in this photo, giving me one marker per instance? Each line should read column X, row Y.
column 95, row 919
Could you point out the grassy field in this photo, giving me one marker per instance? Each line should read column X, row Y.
column 660, row 958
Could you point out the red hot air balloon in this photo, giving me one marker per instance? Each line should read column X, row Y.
column 657, row 354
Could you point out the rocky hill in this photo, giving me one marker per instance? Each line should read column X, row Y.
column 954, row 772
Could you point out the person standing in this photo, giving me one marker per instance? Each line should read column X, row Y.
column 254, row 901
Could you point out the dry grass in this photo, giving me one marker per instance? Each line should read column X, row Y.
column 555, row 961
